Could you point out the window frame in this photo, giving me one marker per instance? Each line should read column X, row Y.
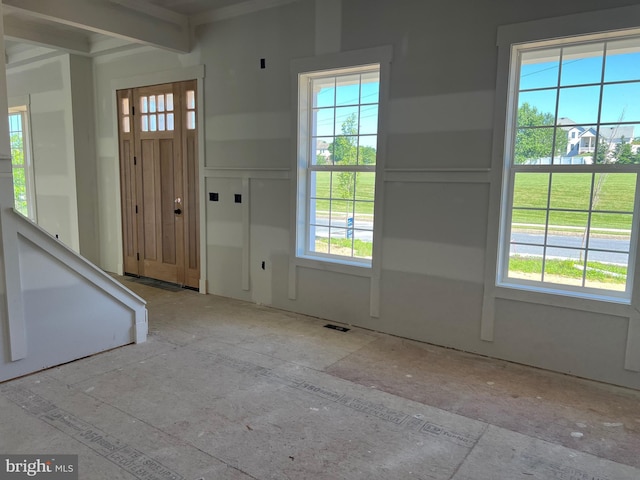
column 511, row 169
column 307, row 166
column 596, row 25
column 317, row 66
column 22, row 107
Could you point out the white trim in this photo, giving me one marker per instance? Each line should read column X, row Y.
column 384, row 122
column 334, row 266
column 592, row 25
column 202, row 201
column 246, row 235
column 14, row 226
column 306, row 166
column 331, row 62
column 242, row 172
column 603, row 305
column 511, row 169
column 23, row 104
column 632, row 354
column 16, row 322
column 438, row 175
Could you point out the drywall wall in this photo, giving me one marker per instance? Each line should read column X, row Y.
column 59, row 306
column 54, row 305
column 111, row 72
column 84, row 148
column 437, row 178
column 48, row 86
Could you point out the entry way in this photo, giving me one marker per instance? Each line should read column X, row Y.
column 159, row 182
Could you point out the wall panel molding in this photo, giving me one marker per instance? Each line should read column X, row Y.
column 247, row 172
column 438, row 175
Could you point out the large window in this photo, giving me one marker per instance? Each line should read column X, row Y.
column 571, row 166
column 21, row 164
column 337, row 152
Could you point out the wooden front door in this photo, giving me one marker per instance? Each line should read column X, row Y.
column 159, row 182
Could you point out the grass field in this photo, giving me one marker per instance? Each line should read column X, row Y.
column 615, row 192
column 342, row 246
column 571, row 191
column 596, row 271
column 328, row 186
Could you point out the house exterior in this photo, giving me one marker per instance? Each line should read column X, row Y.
column 583, row 139
column 322, row 149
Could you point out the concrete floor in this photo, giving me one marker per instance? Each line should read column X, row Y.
column 229, row 390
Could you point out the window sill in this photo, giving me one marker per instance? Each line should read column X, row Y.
column 336, row 266
column 587, row 302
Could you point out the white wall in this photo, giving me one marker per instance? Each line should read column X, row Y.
column 54, row 306
column 110, row 73
column 48, row 84
column 442, row 89
column 63, row 308
column 84, row 153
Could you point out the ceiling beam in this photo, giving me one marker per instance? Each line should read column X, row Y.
column 104, row 45
column 108, row 18
column 27, row 57
column 42, row 35
column 235, row 10
column 155, row 11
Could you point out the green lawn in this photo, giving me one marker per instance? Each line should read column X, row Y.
column 364, row 190
column 361, row 248
column 596, row 271
column 571, row 191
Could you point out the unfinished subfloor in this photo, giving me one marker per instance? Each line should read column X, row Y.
column 224, row 389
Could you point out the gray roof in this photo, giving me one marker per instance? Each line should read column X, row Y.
column 616, row 132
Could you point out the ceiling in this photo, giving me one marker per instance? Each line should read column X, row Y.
column 36, row 29
column 193, row 7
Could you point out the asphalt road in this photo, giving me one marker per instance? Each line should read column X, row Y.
column 322, row 230
column 558, row 246
column 573, row 241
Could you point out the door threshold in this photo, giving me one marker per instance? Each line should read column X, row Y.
column 152, row 282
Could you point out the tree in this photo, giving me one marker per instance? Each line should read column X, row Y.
column 343, row 149
column 535, row 143
column 344, row 152
column 19, row 179
column 624, row 155
column 603, row 155
column 367, row 155
column 321, row 160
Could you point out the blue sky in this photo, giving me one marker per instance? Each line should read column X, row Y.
column 620, row 102
column 336, row 103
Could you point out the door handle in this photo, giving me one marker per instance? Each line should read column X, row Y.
column 177, row 202
column 177, row 211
